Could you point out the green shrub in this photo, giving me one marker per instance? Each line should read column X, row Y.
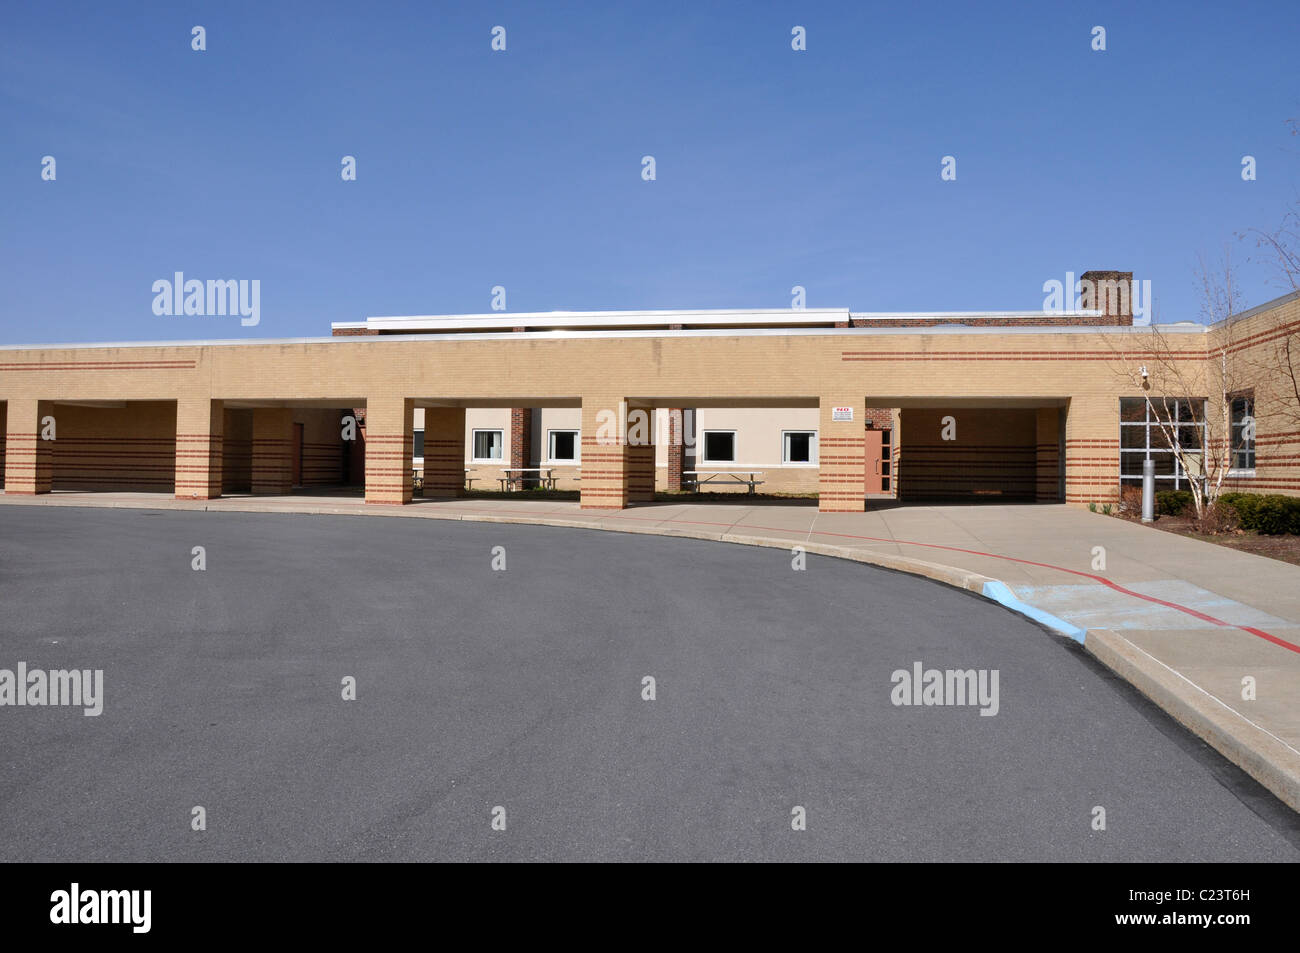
column 1243, row 505
column 1275, row 515
column 1092, row 507
column 1270, row 515
column 1173, row 502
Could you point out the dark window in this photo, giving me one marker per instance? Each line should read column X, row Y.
column 563, row 444
column 719, row 446
column 418, row 450
column 798, row 446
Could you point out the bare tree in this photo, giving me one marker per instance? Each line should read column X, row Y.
column 1192, row 401
column 1189, row 384
column 1279, row 251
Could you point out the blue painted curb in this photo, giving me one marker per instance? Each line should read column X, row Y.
column 1000, row 592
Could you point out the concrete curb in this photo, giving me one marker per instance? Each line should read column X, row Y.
column 1257, row 752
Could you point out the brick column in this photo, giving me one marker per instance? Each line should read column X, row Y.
column 675, row 449
column 389, row 443
column 521, row 436
column 200, row 448
column 29, row 460
column 273, row 450
column 842, row 455
column 1048, row 485
column 604, row 453
column 1092, row 450
column 444, row 451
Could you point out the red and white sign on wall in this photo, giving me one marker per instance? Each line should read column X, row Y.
column 841, row 413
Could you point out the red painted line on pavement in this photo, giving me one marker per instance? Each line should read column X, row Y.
column 1259, row 633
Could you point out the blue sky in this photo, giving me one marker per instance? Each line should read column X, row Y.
column 775, row 168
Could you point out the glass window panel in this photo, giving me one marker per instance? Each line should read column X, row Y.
column 487, row 444
column 719, row 446
column 1132, row 409
column 798, row 447
column 1189, row 438
column 1133, row 438
column 564, row 444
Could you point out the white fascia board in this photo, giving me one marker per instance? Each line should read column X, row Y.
column 588, row 335
column 968, row 315
column 602, row 319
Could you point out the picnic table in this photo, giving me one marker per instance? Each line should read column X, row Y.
column 723, row 478
column 417, row 479
column 517, row 476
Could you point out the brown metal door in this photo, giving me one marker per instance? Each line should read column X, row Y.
column 875, row 454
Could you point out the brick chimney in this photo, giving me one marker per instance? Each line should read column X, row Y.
column 1110, row 292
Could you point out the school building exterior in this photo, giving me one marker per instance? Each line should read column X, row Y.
column 1012, row 406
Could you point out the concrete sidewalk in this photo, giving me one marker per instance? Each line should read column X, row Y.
column 1184, row 621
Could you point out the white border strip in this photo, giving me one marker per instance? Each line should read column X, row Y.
column 535, row 336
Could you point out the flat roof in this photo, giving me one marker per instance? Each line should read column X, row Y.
column 350, row 341
column 705, row 318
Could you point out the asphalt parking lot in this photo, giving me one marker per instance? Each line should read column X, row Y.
column 522, row 688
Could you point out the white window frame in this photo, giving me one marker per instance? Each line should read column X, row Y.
column 473, row 445
column 812, row 449
column 704, row 446
column 550, row 445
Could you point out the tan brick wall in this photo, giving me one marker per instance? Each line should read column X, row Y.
column 1092, row 449
column 200, row 448
column 322, row 446
column 237, row 456
column 799, row 480
column 28, row 458
column 1258, row 360
column 615, row 472
column 272, row 467
column 1049, row 471
column 994, row 454
column 115, row 448
column 389, row 436
column 841, row 483
column 858, row 368
column 444, row 456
